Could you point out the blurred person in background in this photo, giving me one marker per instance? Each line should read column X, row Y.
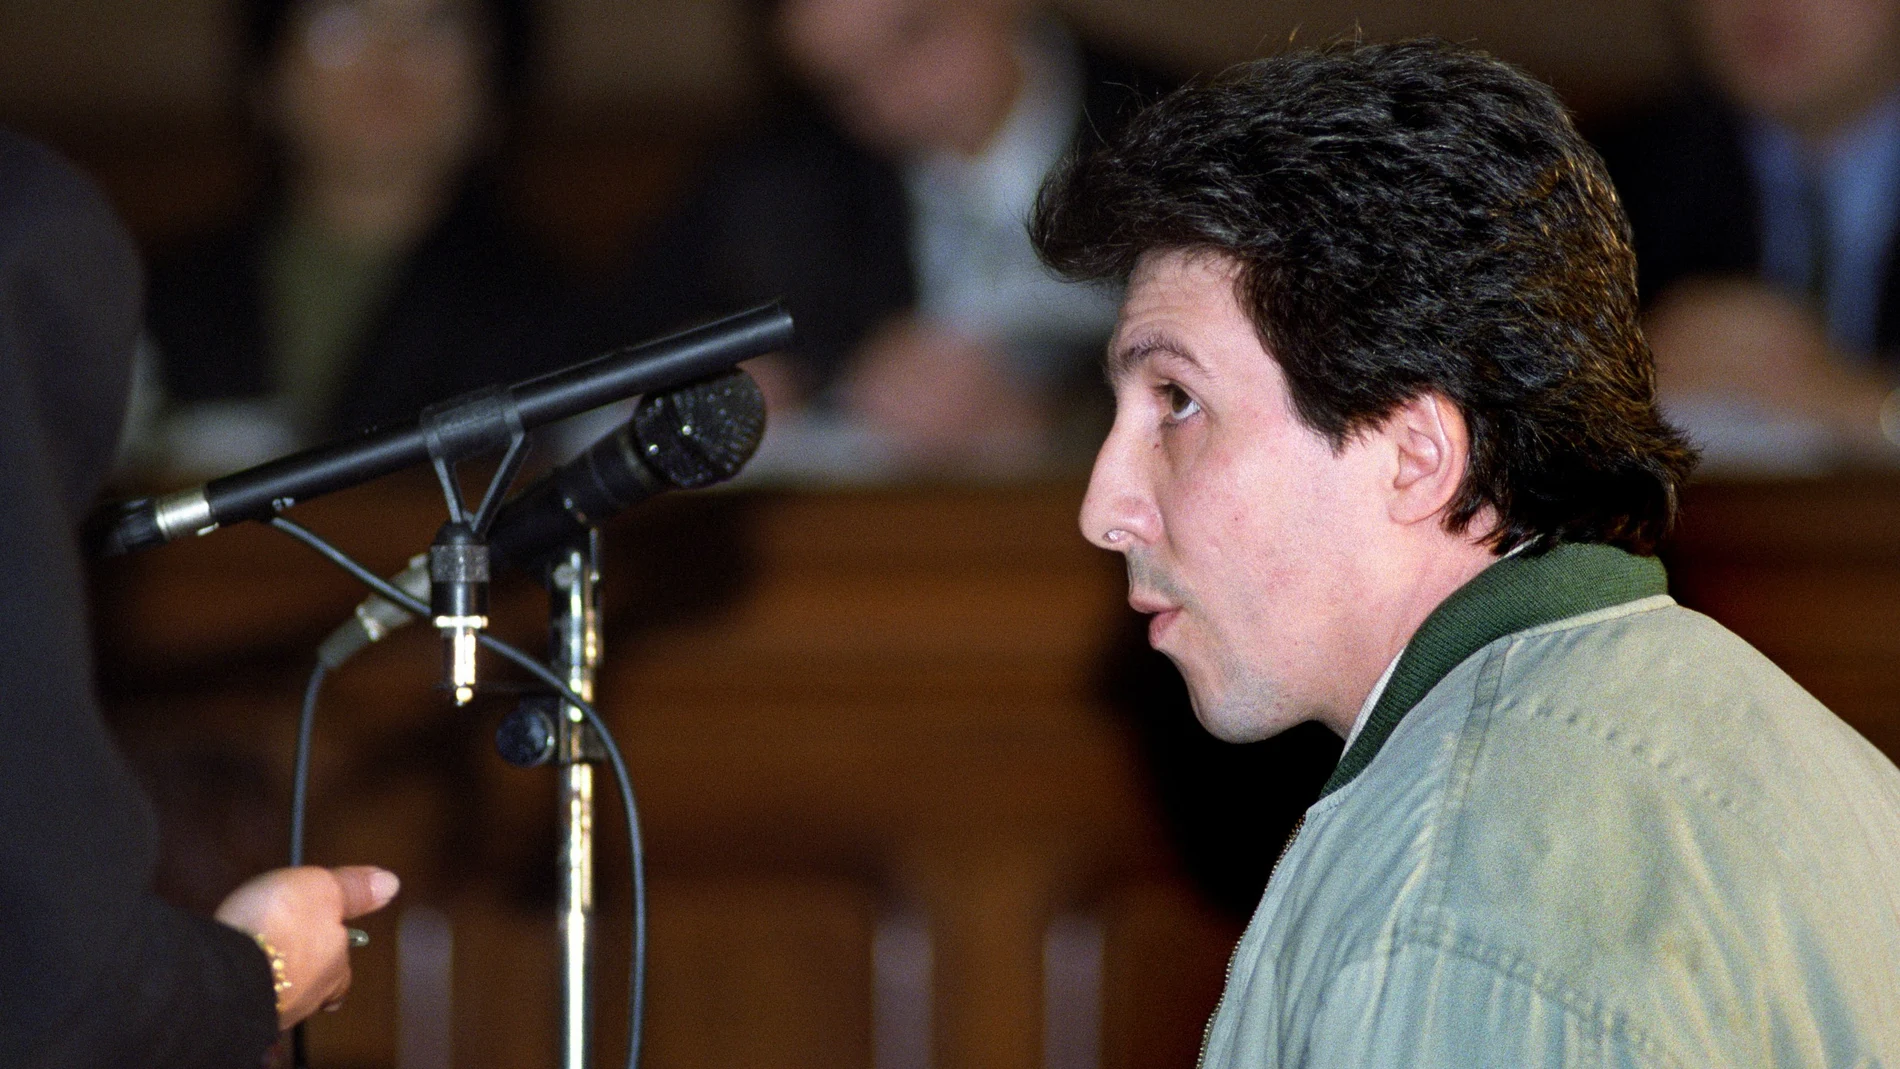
column 885, row 202
column 1765, row 203
column 378, row 271
column 97, row 970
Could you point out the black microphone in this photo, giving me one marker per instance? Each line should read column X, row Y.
column 451, row 431
column 683, row 439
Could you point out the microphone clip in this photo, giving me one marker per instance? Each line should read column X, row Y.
column 458, row 600
column 459, row 558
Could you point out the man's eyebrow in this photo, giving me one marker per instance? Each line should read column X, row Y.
column 1126, row 358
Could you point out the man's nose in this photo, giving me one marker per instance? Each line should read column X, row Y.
column 1118, row 511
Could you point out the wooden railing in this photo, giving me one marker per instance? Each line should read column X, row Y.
column 895, row 813
column 1808, row 571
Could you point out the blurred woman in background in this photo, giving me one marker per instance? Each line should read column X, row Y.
column 377, row 272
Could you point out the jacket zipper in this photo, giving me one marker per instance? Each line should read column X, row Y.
column 1207, row 1031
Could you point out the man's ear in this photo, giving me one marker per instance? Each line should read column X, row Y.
column 1432, row 447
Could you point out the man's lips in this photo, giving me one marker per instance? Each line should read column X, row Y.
column 1161, row 614
column 1158, row 625
column 1150, row 593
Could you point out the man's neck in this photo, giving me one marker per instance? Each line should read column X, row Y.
column 1411, row 591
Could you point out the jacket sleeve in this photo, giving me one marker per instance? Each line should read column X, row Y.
column 1423, row 1006
column 94, row 969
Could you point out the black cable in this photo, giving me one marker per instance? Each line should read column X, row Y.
column 299, row 797
column 300, row 766
column 636, row 983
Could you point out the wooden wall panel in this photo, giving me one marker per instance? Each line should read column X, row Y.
column 783, row 964
column 1167, row 955
column 1809, row 572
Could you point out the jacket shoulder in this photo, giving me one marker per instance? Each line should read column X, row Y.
column 1639, row 806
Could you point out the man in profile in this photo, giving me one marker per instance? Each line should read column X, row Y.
column 1386, row 455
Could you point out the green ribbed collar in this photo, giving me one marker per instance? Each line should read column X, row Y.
column 1512, row 595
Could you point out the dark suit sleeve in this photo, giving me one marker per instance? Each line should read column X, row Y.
column 94, row 970
column 1684, row 182
column 793, row 210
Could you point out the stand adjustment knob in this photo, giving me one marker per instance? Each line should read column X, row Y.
column 526, row 737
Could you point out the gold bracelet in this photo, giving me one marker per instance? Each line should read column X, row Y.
column 279, row 980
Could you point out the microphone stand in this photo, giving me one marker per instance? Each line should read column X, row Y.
column 459, row 562
column 574, row 632
column 684, row 438
column 574, row 645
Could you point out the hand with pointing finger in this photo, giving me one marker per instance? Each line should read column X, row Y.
column 299, row 913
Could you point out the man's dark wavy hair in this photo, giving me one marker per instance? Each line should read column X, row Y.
column 1408, row 217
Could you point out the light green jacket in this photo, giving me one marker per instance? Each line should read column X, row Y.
column 1582, row 827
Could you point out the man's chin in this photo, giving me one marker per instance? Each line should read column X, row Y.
column 1235, row 720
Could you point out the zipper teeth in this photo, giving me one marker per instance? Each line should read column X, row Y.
column 1298, row 825
column 1207, row 1030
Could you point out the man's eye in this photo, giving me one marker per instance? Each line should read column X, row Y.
column 1180, row 405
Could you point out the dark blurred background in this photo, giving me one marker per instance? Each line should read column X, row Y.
column 567, row 175
column 916, row 791
column 143, row 92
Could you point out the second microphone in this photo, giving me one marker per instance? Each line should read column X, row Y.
column 684, row 439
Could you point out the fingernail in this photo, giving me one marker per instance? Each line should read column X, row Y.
column 384, row 885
